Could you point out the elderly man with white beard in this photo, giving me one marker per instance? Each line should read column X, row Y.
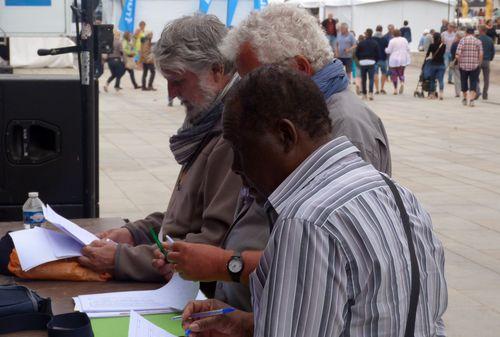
column 203, row 203
column 286, row 35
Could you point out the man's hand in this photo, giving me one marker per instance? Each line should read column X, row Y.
column 118, row 235
column 99, row 256
column 236, row 324
column 164, row 268
column 195, row 261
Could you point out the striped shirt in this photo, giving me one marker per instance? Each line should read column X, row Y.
column 337, row 262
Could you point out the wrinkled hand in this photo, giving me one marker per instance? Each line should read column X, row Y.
column 99, row 256
column 194, row 261
column 235, row 324
column 164, row 268
column 118, row 235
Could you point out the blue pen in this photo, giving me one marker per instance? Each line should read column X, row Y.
column 204, row 314
column 188, row 332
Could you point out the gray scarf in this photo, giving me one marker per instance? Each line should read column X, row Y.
column 191, row 137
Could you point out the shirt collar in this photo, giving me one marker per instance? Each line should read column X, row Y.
column 317, row 162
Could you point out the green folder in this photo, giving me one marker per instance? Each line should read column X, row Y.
column 118, row 326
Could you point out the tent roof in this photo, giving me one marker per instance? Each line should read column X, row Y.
column 333, row 3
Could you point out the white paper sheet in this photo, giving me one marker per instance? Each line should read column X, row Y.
column 63, row 246
column 141, row 327
column 78, row 233
column 199, row 297
column 173, row 296
column 32, row 247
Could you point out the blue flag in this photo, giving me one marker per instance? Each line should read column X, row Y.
column 259, row 4
column 28, row 3
column 205, row 5
column 128, row 16
column 231, row 8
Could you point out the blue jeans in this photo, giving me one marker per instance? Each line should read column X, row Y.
column 436, row 72
column 370, row 71
column 447, row 59
column 333, row 41
column 382, row 65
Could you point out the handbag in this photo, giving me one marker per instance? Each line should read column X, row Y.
column 129, row 62
column 23, row 309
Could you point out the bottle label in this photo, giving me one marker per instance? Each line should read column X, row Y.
column 33, row 218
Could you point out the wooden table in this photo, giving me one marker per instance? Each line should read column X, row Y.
column 61, row 292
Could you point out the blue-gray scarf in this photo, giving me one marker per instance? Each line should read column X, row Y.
column 331, row 79
column 193, row 136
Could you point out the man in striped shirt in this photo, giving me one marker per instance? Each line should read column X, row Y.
column 338, row 260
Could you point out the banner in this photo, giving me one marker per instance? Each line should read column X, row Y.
column 489, row 10
column 465, row 9
column 27, row 2
column 128, row 16
column 259, row 4
column 231, row 8
column 205, row 5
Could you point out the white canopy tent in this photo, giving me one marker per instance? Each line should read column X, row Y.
column 363, row 14
column 156, row 13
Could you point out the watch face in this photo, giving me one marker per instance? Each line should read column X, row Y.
column 235, row 265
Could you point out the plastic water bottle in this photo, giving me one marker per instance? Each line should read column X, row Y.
column 32, row 211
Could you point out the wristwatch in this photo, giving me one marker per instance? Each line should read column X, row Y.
column 235, row 266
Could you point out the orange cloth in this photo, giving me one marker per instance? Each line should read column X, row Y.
column 60, row 270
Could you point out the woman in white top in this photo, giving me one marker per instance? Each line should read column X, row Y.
column 399, row 58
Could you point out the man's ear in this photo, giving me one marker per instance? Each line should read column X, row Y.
column 288, row 135
column 303, row 65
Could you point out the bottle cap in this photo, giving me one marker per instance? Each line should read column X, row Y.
column 33, row 194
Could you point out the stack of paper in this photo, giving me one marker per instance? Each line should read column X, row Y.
column 141, row 327
column 40, row 245
column 171, row 297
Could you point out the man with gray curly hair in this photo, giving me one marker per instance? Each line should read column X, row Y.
column 202, row 205
column 288, row 35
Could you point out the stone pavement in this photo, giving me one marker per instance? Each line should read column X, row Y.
column 446, row 153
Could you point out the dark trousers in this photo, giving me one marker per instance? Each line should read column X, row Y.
column 469, row 79
column 116, row 67
column 437, row 73
column 132, row 77
column 367, row 71
column 146, row 68
column 485, row 69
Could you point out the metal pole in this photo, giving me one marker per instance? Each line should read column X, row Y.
column 90, row 119
column 449, row 6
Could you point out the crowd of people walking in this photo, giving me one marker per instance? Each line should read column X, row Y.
column 130, row 52
column 374, row 57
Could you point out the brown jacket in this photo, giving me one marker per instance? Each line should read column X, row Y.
column 201, row 210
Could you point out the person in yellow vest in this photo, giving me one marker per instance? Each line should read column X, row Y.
column 139, row 35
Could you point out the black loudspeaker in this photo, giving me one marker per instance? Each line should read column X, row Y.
column 103, row 41
column 44, row 148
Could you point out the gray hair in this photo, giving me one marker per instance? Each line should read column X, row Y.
column 279, row 33
column 190, row 43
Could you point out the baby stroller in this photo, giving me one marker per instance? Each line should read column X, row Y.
column 424, row 81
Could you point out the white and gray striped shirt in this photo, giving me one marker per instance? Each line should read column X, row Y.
column 337, row 262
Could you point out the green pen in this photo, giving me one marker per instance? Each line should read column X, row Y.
column 158, row 243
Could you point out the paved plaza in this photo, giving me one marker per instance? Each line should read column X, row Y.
column 447, row 153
